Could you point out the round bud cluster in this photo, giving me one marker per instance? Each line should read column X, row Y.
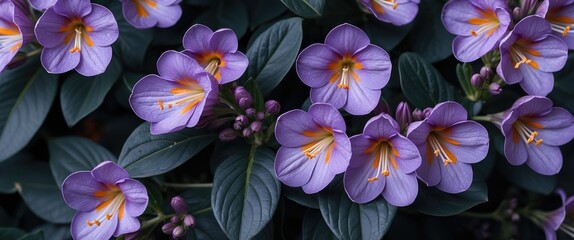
column 181, row 221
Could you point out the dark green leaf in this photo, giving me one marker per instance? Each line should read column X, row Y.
column 297, row 195
column 306, row 8
column 22, row 169
column 32, row 236
column 72, row 154
column 132, row 43
column 273, row 53
column 54, row 231
column 131, row 78
column 349, row 220
column 245, row 193
column 199, row 202
column 464, row 73
column 27, row 95
column 11, row 233
column 315, row 228
column 422, row 84
column 82, row 95
column 261, row 11
column 145, row 155
column 563, row 90
column 45, row 200
column 227, row 14
column 386, row 35
column 432, row 201
column 258, row 101
column 430, row 39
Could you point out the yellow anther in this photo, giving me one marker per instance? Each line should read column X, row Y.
column 566, row 30
column 538, row 142
column 372, row 179
column 473, row 33
column 386, row 173
column 437, row 152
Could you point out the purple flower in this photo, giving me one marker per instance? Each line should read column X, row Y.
column 448, row 143
column 107, row 200
column 347, row 71
column 314, row 148
column 42, row 4
column 478, row 24
column 529, row 54
column 560, row 15
column 551, row 221
column 533, row 130
column 177, row 98
column 397, row 12
column 384, row 162
column 16, row 30
column 216, row 52
column 76, row 34
column 151, row 13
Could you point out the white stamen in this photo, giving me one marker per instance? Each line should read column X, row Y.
column 438, row 149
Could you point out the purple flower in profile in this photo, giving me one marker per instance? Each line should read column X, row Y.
column 314, row 148
column 151, row 13
column 384, row 162
column 76, row 34
column 551, row 221
column 478, row 24
column 177, row 98
column 560, row 15
column 16, row 30
column 347, row 71
column 42, row 4
column 397, row 12
column 529, row 55
column 533, row 130
column 107, row 200
column 448, row 144
column 216, row 52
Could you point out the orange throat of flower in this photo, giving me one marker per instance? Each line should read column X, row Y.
column 383, row 156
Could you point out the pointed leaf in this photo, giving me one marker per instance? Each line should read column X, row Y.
column 315, row 228
column 306, row 8
column 432, row 201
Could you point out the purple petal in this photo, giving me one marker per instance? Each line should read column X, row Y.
column 59, row 59
column 402, row 15
column 376, row 67
column 361, row 100
column 532, row 106
column 42, row 4
column 381, row 126
column 455, row 16
column 94, row 60
column 430, row 170
column 544, row 159
column 472, row 139
column 327, row 116
column 313, row 65
column 330, row 94
column 320, row 178
column 132, row 15
column 104, row 25
column 80, row 229
column 109, row 172
column 506, row 68
column 553, row 53
column 536, row 82
column 418, row 133
column 175, row 66
column 167, row 15
column 292, row 167
column 347, row 39
column 341, row 153
column 515, row 152
column 196, row 39
column 356, row 183
column 558, row 127
column 446, row 114
column 47, row 29
column 455, row 178
column 78, row 191
column 291, row 126
column 532, row 27
column 73, row 8
column 136, row 197
column 409, row 158
column 223, row 41
column 470, row 48
column 401, row 188
column 235, row 65
column 127, row 225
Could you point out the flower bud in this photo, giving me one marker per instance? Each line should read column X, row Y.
column 246, row 132
column 250, row 112
column 237, row 126
column 255, row 126
column 382, row 107
column 494, row 89
column 178, row 232
column 272, row 107
column 174, row 219
column 168, row 228
column 486, row 73
column 178, row 204
column 427, row 112
column 516, row 14
column 260, row 115
column 245, row 102
column 418, row 115
column 476, row 80
column 188, row 220
column 403, row 115
column 242, row 120
column 227, row 135
column 241, row 92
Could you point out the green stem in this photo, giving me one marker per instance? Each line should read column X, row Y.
column 482, row 118
column 187, row 185
column 33, row 52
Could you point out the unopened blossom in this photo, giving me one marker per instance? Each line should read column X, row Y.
column 16, row 30
column 76, row 34
column 151, row 13
column 216, row 52
column 560, row 15
column 396, row 12
column 383, row 161
column 177, row 98
column 533, row 131
column 42, row 4
column 314, row 148
column 448, row 144
column 529, row 55
column 478, row 24
column 107, row 201
column 347, row 71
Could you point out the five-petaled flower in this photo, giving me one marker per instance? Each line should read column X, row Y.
column 533, row 130
column 76, row 34
column 530, row 54
column 383, row 161
column 478, row 24
column 181, row 94
column 314, row 148
column 151, row 13
column 16, row 30
column 397, row 12
column 448, row 143
column 347, row 71
column 107, row 200
column 216, row 52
